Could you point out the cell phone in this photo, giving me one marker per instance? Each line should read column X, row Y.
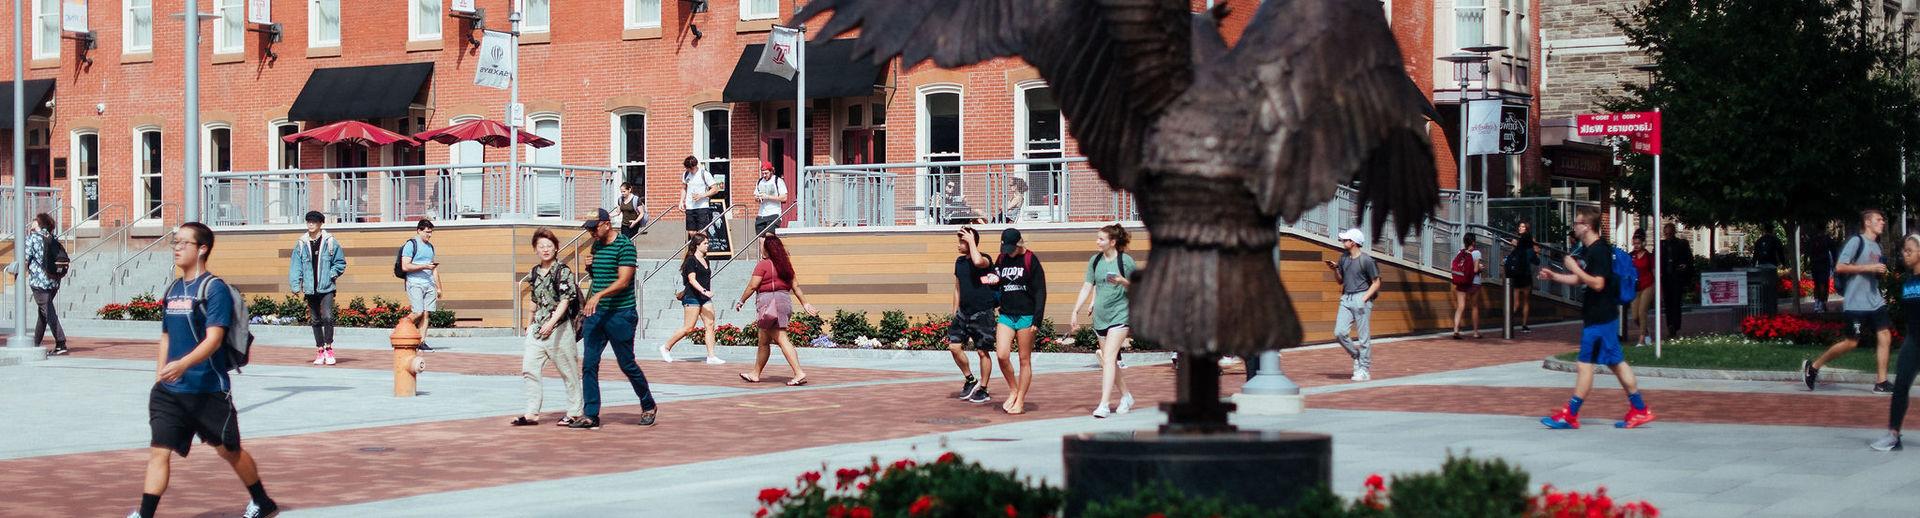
column 1111, row 276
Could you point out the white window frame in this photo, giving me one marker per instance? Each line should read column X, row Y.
column 528, row 26
column 313, row 24
column 617, row 145
column 700, row 136
column 747, row 12
column 206, row 145
column 78, row 175
column 128, row 28
column 416, row 14
column 1021, row 143
column 42, row 48
column 636, row 11
column 226, row 38
column 468, row 183
column 1459, row 29
column 142, row 202
column 278, row 192
column 547, row 179
column 923, row 137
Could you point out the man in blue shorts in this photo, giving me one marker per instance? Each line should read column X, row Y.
column 1599, row 342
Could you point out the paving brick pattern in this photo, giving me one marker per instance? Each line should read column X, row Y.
column 1607, row 404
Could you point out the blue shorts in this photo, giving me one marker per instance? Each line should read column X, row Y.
column 1600, row 344
column 694, row 300
column 1017, row 323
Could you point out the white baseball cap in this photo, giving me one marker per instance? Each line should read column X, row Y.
column 1354, row 235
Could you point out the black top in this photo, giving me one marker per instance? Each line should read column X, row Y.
column 1523, row 250
column 1023, row 284
column 1599, row 306
column 1675, row 255
column 974, row 296
column 314, row 246
column 700, row 272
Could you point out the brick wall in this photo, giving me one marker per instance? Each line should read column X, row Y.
column 1587, row 56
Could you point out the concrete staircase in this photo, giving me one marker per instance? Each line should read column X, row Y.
column 108, row 276
column 661, row 314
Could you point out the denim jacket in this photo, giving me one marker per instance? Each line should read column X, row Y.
column 300, row 274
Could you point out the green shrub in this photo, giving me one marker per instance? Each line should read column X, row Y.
column 1160, row 498
column 263, row 306
column 849, row 325
column 1464, row 488
column 296, row 307
column 144, row 307
column 358, row 304
column 440, row 318
column 893, row 326
column 1085, row 337
column 802, row 328
column 946, row 488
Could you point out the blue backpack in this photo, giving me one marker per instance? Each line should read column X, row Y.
column 1625, row 274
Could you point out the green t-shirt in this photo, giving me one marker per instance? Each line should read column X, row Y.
column 1109, row 299
column 607, row 260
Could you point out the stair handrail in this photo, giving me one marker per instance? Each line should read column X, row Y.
column 90, row 217
column 756, row 239
column 682, row 250
column 120, row 231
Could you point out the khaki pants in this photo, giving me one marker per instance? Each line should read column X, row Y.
column 1642, row 311
column 564, row 352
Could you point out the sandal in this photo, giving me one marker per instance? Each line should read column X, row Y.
column 564, row 422
column 743, row 377
column 523, row 421
column 797, row 382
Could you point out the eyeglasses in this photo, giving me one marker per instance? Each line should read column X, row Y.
column 178, row 244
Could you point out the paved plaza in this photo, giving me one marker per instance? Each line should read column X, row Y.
column 332, row 441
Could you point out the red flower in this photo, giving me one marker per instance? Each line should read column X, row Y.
column 861, row 512
column 948, row 457
column 837, row 511
column 1157, row 515
column 903, row 464
column 762, row 513
column 862, row 486
column 920, row 505
column 1376, row 483
column 811, row 477
column 772, row 494
column 1011, row 512
column 846, row 475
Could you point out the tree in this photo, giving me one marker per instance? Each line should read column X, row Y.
column 1784, row 110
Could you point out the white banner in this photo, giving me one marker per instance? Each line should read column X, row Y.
column 1723, row 288
column 1483, row 127
column 73, row 15
column 260, row 12
column 463, row 6
column 778, row 57
column 496, row 67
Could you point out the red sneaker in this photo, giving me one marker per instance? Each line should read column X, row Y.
column 1635, row 418
column 1561, row 420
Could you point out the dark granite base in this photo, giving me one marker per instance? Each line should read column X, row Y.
column 1268, row 469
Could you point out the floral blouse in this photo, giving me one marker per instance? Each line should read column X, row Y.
column 547, row 293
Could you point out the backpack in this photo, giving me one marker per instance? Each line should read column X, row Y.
column 54, row 260
column 1625, row 275
column 1840, row 279
column 1463, row 269
column 239, row 340
column 400, row 257
column 1118, row 262
column 1516, row 263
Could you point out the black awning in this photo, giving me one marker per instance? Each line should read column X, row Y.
column 36, row 97
column 831, row 72
column 369, row 92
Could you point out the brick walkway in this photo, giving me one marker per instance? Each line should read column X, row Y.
column 1606, row 404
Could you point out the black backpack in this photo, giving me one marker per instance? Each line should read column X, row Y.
column 1517, row 263
column 400, row 257
column 54, row 260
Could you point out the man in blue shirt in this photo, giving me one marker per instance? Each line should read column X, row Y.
column 423, row 277
column 192, row 395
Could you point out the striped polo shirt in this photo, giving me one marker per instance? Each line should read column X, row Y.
column 607, row 260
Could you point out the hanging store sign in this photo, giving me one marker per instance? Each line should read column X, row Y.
column 496, row 67
column 73, row 15
column 1483, row 127
column 1514, row 134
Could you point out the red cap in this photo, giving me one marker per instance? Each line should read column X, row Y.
column 766, row 166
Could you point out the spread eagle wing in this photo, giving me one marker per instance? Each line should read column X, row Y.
column 1113, row 64
column 1334, row 104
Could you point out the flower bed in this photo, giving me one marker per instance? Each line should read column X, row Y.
column 1791, row 328
column 291, row 310
column 896, row 331
column 1787, row 287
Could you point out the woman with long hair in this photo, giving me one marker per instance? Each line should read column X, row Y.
column 1107, row 282
column 773, row 290
column 1023, row 299
column 1909, row 363
column 696, row 295
column 550, row 337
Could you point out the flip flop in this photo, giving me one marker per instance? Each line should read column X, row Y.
column 523, row 421
column 743, row 377
column 797, row 382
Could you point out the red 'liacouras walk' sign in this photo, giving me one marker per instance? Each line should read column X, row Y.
column 1642, row 128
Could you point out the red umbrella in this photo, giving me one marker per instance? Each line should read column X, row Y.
column 351, row 132
column 486, row 132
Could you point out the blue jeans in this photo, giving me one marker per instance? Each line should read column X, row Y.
column 611, row 327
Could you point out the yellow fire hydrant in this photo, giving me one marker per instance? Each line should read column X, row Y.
column 407, row 363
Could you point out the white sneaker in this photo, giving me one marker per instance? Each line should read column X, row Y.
column 1361, row 375
column 1101, row 412
column 330, row 358
column 666, row 355
column 1126, row 404
column 715, row 360
column 319, row 357
column 1226, row 361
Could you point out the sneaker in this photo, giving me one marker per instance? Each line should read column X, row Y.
column 585, row 423
column 135, row 514
column 1525, row 329
column 966, row 389
column 1888, row 442
column 1101, row 412
column 1884, row 387
column 425, row 348
column 647, row 418
column 565, row 422
column 1646, row 341
column 1120, row 363
column 665, row 354
column 980, row 397
column 1810, row 374
column 320, row 357
column 330, row 359
column 60, row 349
column 1361, row 375
column 1229, row 361
column 255, row 510
column 1126, row 403
column 1635, row 418
column 715, row 360
column 1561, row 420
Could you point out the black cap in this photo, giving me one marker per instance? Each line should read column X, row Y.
column 1009, row 240
column 314, row 216
column 594, row 223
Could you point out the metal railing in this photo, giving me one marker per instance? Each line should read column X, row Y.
column 403, row 193
column 574, row 254
column 1046, row 190
column 39, row 199
column 1429, row 245
column 1551, row 218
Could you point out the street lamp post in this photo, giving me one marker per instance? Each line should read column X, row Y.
column 20, row 347
column 1461, row 63
column 190, row 165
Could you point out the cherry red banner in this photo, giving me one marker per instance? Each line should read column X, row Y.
column 1641, row 128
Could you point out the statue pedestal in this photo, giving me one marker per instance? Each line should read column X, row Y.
column 1269, row 392
column 1267, row 469
column 1269, row 405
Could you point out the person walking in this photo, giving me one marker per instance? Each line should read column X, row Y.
column 1359, row 279
column 1599, row 339
column 1642, row 306
column 43, row 277
column 1108, row 277
column 774, row 291
column 1819, row 258
column 633, row 210
column 1860, row 268
column 315, row 266
column 771, row 193
column 972, row 325
column 697, row 199
column 1467, row 267
column 696, row 296
column 192, row 395
column 610, row 322
column 550, row 334
column 416, row 262
column 1909, row 363
column 1022, row 282
column 1518, row 268
column 1676, row 274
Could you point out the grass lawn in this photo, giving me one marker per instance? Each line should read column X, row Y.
column 1733, row 352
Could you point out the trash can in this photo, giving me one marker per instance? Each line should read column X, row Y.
column 1763, row 294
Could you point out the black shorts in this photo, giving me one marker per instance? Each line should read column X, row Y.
column 1103, row 332
column 973, row 332
column 1860, row 323
column 177, row 418
column 698, row 219
column 1520, row 282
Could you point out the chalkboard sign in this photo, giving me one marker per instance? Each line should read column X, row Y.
column 719, row 233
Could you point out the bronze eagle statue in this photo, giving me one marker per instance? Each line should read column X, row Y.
column 1216, row 144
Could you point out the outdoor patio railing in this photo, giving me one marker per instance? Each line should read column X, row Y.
column 39, row 199
column 403, row 193
column 1048, row 190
